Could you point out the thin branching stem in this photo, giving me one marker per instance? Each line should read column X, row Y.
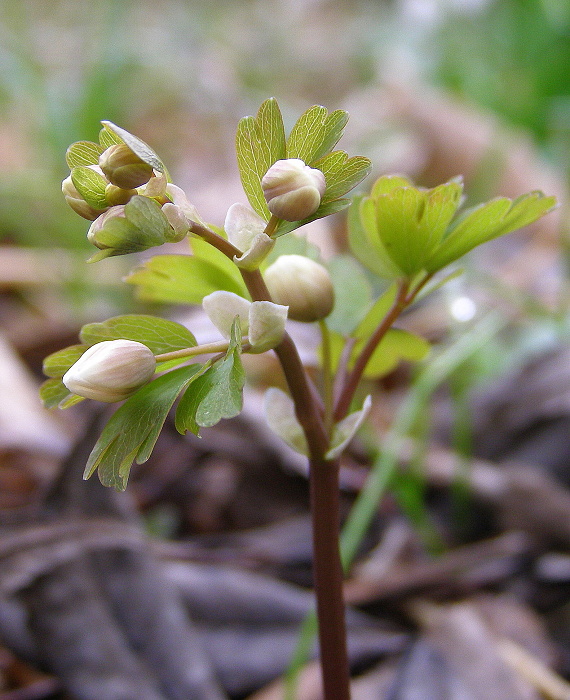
column 355, row 375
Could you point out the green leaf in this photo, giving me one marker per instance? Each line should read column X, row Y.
column 217, row 393
column 57, row 364
column 90, row 185
column 187, row 279
column 387, row 183
column 83, row 153
column 397, row 345
column 143, row 150
column 315, row 133
column 365, row 243
column 324, row 210
column 342, row 173
column 488, row 221
column 260, row 141
column 411, row 222
column 351, row 291
column 108, row 138
column 52, row 392
column 375, row 314
column 133, row 430
column 158, row 334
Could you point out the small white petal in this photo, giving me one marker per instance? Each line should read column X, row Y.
column 179, row 198
column 280, row 415
column 222, row 307
column 266, row 325
column 344, row 430
column 156, row 186
column 176, row 218
column 242, row 225
column 256, row 253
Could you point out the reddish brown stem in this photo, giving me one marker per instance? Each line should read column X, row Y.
column 355, row 375
column 328, row 578
column 324, row 489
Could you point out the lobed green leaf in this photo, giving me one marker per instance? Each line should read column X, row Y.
column 395, row 346
column 217, row 393
column 342, row 173
column 187, row 279
column 158, row 334
column 486, row 222
column 411, row 223
column 260, row 141
column 132, row 431
column 315, row 133
column 52, row 392
column 57, row 364
column 365, row 244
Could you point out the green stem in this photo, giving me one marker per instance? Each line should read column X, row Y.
column 206, row 349
column 272, row 225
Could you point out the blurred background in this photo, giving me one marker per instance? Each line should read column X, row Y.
column 435, row 89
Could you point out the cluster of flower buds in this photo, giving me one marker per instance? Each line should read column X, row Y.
column 111, row 370
column 112, row 181
column 124, row 191
column 293, row 190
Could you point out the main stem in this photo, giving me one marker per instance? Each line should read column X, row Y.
column 324, row 491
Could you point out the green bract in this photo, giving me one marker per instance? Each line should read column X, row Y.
column 130, row 228
column 261, row 142
column 399, row 230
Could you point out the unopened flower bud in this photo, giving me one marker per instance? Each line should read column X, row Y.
column 118, row 195
column 76, row 201
column 124, row 168
column 293, row 190
column 111, row 370
column 301, row 284
column 114, row 213
column 130, row 228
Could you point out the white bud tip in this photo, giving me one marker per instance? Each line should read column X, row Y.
column 293, row 190
column 111, row 370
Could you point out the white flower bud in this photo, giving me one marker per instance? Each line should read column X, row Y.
column 301, row 284
column 111, row 370
column 293, row 190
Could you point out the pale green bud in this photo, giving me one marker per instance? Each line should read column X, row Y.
column 76, row 201
column 117, row 195
column 293, row 190
column 301, row 284
column 130, row 228
column 111, row 370
column 124, row 168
